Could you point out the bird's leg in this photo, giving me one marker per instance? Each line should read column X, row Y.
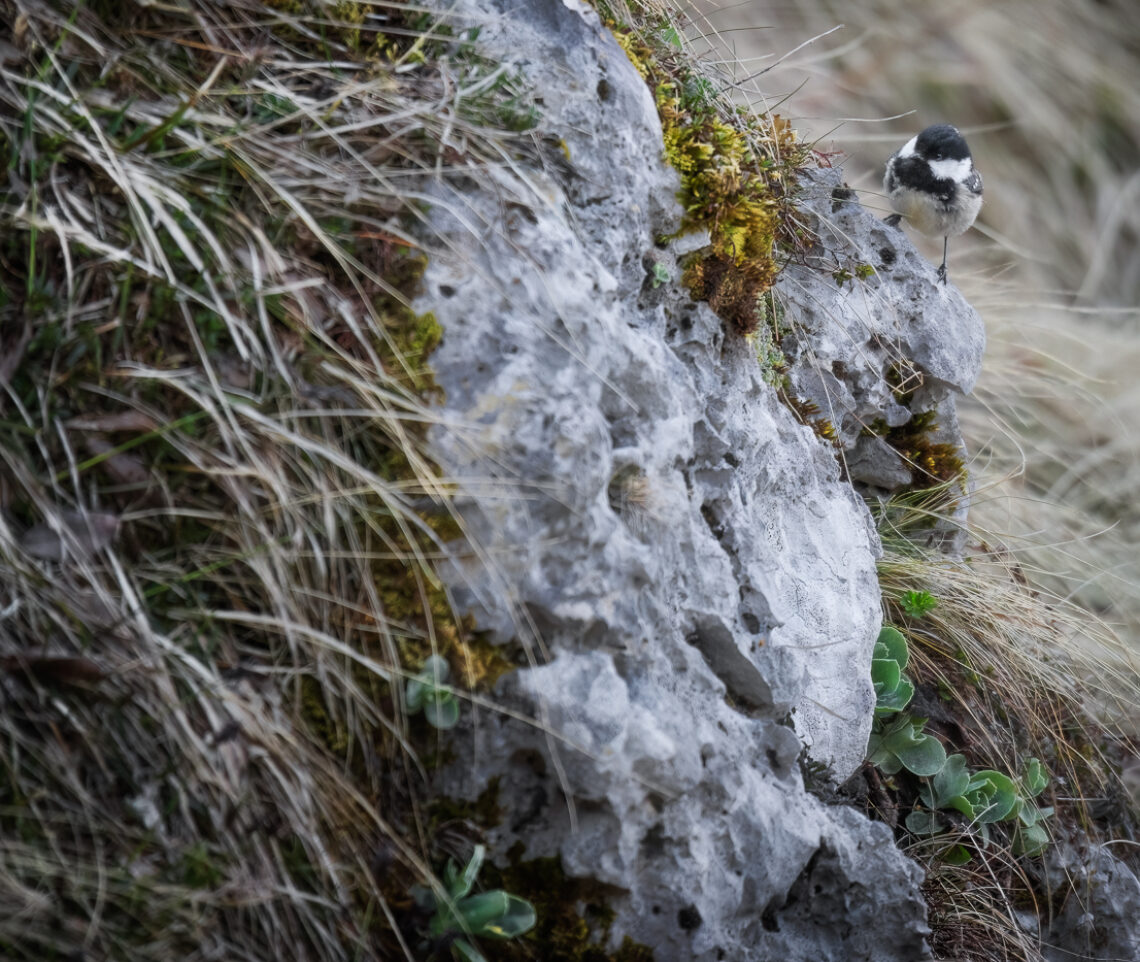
column 942, row 269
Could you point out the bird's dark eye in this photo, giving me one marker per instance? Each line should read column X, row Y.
column 938, row 155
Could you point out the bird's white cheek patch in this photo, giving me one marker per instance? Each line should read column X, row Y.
column 951, row 169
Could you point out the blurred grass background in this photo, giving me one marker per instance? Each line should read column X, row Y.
column 1048, row 95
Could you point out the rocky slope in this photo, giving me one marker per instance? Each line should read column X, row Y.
column 688, row 565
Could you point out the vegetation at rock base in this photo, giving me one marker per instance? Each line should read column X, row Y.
column 983, row 798
column 574, row 918
column 1002, row 673
column 460, row 918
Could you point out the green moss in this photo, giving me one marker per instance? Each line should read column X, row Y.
column 860, row 271
column 807, row 412
column 319, row 721
column 574, row 918
column 931, row 462
column 484, row 812
column 737, row 171
column 410, row 337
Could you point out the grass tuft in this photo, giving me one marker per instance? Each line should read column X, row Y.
column 218, row 525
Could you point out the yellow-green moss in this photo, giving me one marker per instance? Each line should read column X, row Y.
column 574, row 917
column 807, row 412
column 736, row 173
column 574, row 914
column 932, row 463
column 410, row 337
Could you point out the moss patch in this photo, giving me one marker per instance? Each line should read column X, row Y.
column 574, row 920
column 931, row 462
column 737, row 174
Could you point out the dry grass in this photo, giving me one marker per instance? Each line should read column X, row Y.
column 217, row 524
column 1006, row 671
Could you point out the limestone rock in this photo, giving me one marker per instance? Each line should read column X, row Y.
column 876, row 345
column 1099, row 896
column 693, row 578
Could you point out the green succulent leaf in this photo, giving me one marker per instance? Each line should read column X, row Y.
column 435, row 671
column 961, row 803
column 885, row 674
column 895, row 701
column 414, row 695
column 497, row 914
column 880, row 757
column 459, row 884
column 949, row 784
column 993, row 795
column 956, row 855
column 429, row 693
column 925, row 823
column 442, row 710
column 1032, row 840
column 902, row 744
column 1034, row 777
column 893, row 640
column 924, row 757
column 893, row 690
column 1029, row 813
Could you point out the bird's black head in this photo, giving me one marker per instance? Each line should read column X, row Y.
column 941, row 142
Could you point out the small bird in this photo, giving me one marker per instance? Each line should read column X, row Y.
column 932, row 182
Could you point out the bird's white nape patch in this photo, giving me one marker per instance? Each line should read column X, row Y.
column 907, row 149
column 957, row 170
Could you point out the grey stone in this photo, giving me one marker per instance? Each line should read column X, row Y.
column 1099, row 903
column 692, row 578
column 877, row 351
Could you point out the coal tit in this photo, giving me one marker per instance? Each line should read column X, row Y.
column 931, row 181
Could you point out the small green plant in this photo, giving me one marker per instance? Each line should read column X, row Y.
column 898, row 742
column 985, row 798
column 660, row 275
column 428, row 691
column 901, row 743
column 893, row 690
column 861, row 271
column 1029, row 835
column 918, row 603
column 461, row 916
